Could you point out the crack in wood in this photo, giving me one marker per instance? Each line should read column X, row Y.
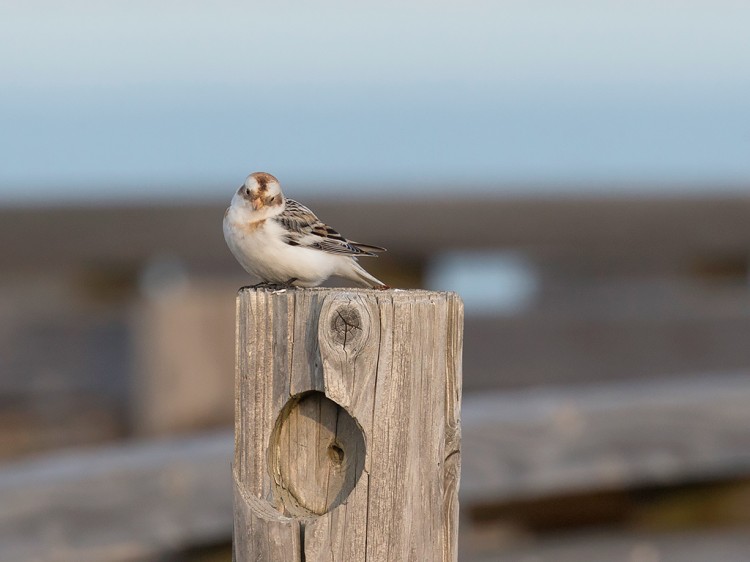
column 302, row 555
column 346, row 321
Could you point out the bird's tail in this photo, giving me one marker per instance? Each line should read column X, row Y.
column 358, row 274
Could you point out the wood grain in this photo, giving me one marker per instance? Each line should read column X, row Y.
column 347, row 443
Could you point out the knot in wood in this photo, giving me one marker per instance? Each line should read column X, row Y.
column 346, row 325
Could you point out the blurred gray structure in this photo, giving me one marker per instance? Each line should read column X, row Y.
column 625, row 369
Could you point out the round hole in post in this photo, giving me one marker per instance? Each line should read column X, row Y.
column 317, row 454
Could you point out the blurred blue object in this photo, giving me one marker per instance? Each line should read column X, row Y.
column 490, row 283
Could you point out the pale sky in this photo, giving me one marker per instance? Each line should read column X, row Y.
column 118, row 99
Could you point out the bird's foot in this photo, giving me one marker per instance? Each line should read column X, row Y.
column 261, row 285
column 289, row 284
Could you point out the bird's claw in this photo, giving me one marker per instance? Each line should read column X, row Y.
column 262, row 285
column 273, row 287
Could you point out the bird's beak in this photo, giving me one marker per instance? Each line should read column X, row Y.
column 256, row 203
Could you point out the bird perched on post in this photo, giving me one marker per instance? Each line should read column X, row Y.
column 284, row 243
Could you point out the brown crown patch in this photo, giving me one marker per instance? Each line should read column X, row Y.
column 263, row 180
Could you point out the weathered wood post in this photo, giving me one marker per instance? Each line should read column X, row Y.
column 347, row 433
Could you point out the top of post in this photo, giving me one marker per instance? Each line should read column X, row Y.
column 390, row 293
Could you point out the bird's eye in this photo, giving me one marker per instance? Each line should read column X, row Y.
column 247, row 191
column 272, row 199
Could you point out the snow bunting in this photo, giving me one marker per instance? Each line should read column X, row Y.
column 284, row 243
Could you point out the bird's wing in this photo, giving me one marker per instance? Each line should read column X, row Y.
column 303, row 228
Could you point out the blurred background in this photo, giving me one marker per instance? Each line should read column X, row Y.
column 578, row 171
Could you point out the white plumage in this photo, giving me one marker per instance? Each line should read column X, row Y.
column 283, row 242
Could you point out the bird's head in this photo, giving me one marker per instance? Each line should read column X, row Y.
column 262, row 192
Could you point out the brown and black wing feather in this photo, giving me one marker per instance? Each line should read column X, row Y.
column 306, row 229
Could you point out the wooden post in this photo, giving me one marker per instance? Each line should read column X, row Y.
column 347, row 425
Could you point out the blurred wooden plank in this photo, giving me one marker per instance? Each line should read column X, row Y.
column 127, row 502
column 531, row 443
column 133, row 501
column 549, row 349
column 698, row 545
column 657, row 229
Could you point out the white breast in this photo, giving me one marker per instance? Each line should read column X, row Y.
column 261, row 250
